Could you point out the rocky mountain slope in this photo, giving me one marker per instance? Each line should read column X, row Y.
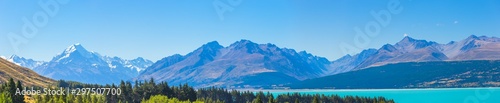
column 413, row 50
column 242, row 63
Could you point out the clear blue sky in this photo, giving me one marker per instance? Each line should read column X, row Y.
column 155, row 29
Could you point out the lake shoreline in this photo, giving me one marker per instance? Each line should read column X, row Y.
column 406, row 95
column 327, row 90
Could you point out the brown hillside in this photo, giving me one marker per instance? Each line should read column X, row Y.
column 27, row 76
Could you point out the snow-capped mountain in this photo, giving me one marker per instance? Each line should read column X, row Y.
column 241, row 63
column 78, row 64
column 413, row 50
column 139, row 64
column 21, row 61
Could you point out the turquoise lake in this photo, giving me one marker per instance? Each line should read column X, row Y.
column 441, row 95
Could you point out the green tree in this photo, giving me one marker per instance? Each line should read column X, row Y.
column 78, row 99
column 93, row 99
column 258, row 99
column 125, row 96
column 70, row 98
column 11, row 87
column 157, row 99
column 315, row 99
column 18, row 98
column 5, row 98
column 271, row 100
column 101, row 99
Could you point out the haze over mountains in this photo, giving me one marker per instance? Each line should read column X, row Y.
column 245, row 63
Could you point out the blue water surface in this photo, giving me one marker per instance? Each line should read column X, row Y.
column 439, row 95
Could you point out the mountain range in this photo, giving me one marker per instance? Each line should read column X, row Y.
column 21, row 61
column 248, row 64
column 413, row 50
column 243, row 63
column 78, row 64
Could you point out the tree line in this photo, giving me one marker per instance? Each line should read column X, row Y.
column 153, row 92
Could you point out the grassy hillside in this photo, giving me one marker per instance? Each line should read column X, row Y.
column 442, row 74
column 26, row 76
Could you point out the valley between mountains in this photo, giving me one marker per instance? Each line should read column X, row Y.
column 409, row 63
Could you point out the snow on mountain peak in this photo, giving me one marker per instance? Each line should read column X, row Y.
column 75, row 47
column 77, row 51
column 139, row 58
column 13, row 57
column 24, row 62
column 91, row 66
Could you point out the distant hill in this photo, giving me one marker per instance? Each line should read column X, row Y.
column 26, row 76
column 435, row 74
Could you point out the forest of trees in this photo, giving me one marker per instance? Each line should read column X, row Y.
column 7, row 91
column 152, row 92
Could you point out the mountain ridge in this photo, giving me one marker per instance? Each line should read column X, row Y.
column 412, row 50
column 78, row 64
column 215, row 65
column 24, row 62
column 234, row 64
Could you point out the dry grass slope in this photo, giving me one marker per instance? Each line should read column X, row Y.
column 26, row 76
